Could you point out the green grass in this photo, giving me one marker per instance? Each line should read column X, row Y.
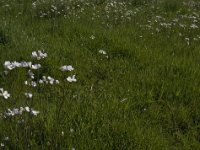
column 145, row 95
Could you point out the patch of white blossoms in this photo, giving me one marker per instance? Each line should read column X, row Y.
column 31, row 81
column 4, row 93
column 8, row 65
column 20, row 111
column 28, row 95
column 71, row 78
column 102, row 52
column 48, row 80
column 66, row 68
column 69, row 68
column 39, row 54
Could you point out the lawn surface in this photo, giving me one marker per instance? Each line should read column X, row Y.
column 143, row 93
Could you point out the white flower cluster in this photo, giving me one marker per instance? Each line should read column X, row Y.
column 30, row 83
column 71, row 78
column 28, row 95
column 48, row 80
column 12, row 65
column 31, row 74
column 39, row 54
column 20, row 111
column 102, row 52
column 36, row 66
column 66, row 68
column 4, row 93
column 69, row 68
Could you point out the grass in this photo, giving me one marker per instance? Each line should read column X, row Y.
column 145, row 95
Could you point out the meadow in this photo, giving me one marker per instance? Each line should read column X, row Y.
column 100, row 74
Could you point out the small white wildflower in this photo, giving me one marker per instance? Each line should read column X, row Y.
column 19, row 111
column 34, row 54
column 102, row 52
column 67, row 68
column 6, row 138
column 41, row 81
column 194, row 26
column 12, row 65
column 16, row 111
column 28, row 95
column 9, row 113
column 26, row 64
column 71, row 130
column 34, row 112
column 48, row 80
column 62, row 133
column 8, row 65
column 51, row 80
column 2, row 145
column 4, row 93
column 39, row 54
column 31, row 74
column 71, row 78
column 26, row 82
column 92, row 37
column 27, row 109
column 57, row 81
column 36, row 66
column 33, row 84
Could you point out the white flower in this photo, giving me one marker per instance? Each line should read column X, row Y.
column 92, row 37
column 8, row 65
column 14, row 111
column 9, row 113
column 34, row 54
column 28, row 95
column 71, row 130
column 102, row 52
column 57, row 81
column 6, row 138
column 62, row 133
column 194, row 26
column 41, row 81
column 36, row 66
column 16, row 64
column 26, row 82
column 2, row 145
column 34, row 112
column 33, row 84
column 19, row 111
column 71, row 79
column 4, row 94
column 49, row 80
column 39, row 54
column 27, row 109
column 26, row 64
column 67, row 68
column 12, row 65
column 31, row 74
